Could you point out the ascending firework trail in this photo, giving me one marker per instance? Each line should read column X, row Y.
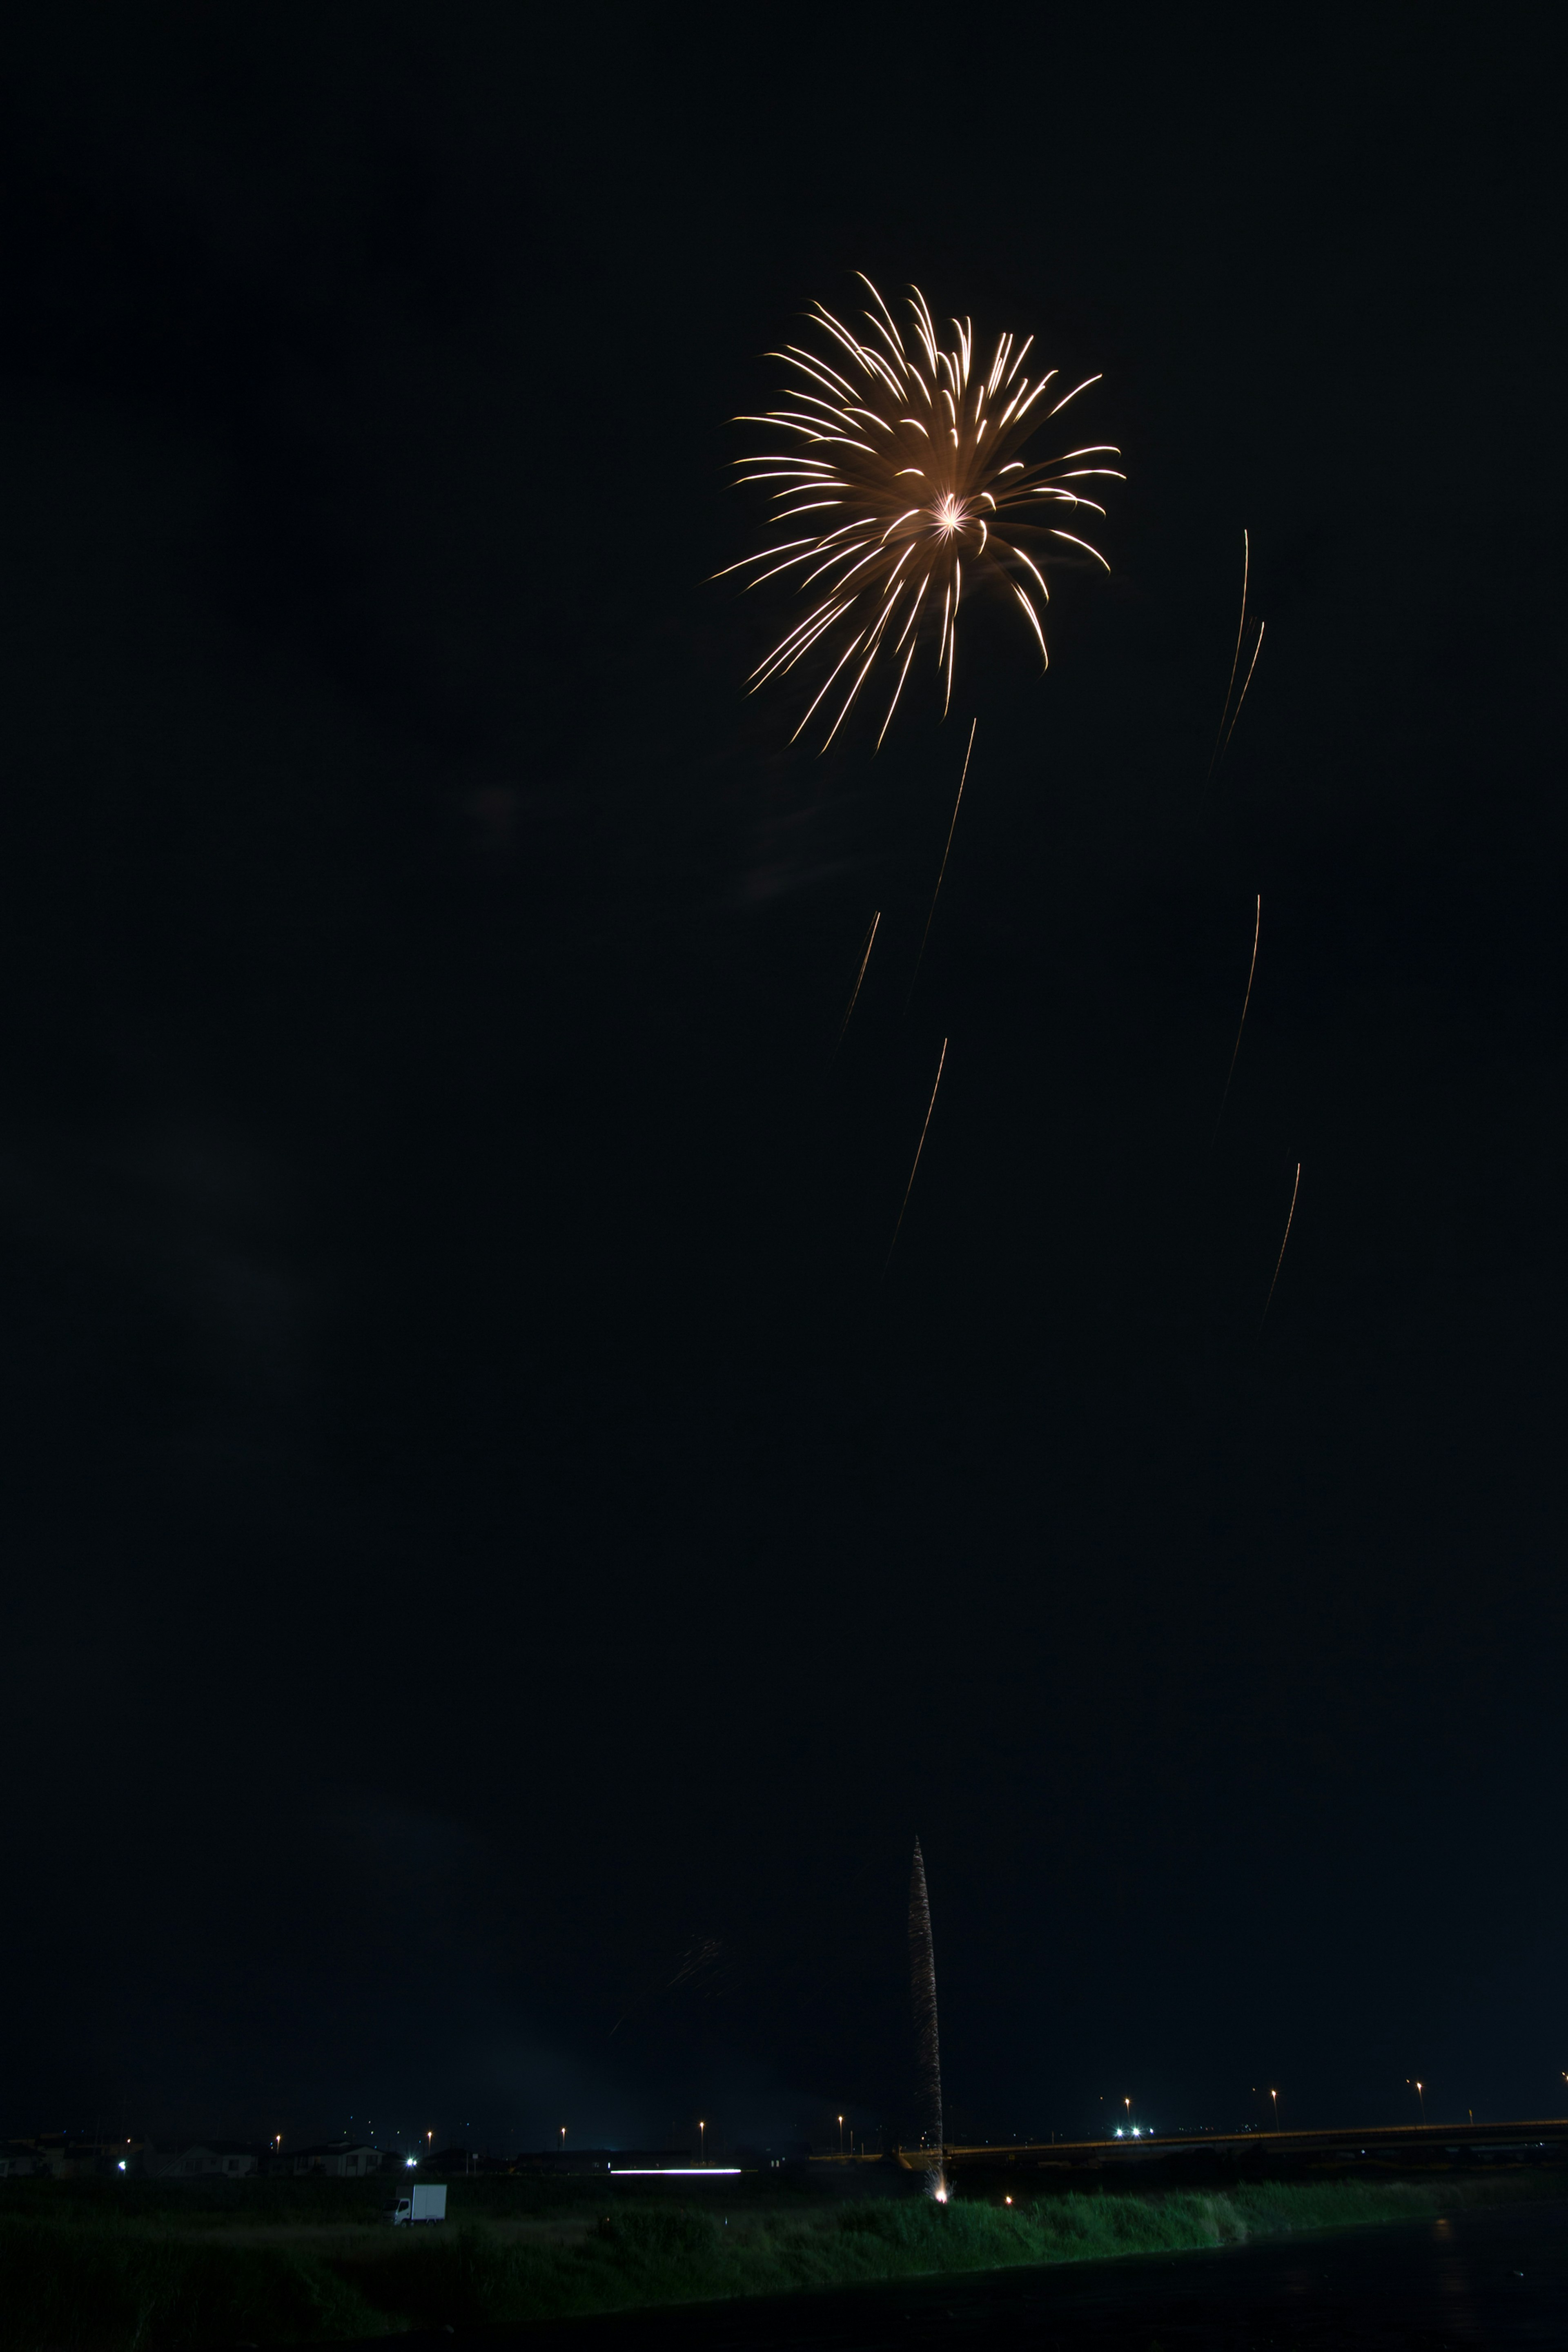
column 1251, row 968
column 919, row 1146
column 1221, row 740
column 855, row 992
column 1283, row 1247
column 928, row 2050
column 936, row 894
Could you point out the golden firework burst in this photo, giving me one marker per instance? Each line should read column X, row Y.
column 916, row 455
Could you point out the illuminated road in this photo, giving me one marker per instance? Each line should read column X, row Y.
column 1405, row 2148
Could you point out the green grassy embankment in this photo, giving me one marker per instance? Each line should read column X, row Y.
column 125, row 2283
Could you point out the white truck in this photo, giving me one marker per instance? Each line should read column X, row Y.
column 423, row 2203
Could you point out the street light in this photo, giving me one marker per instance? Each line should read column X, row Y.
column 1275, row 2096
column 840, row 2134
column 701, row 2141
column 562, row 2139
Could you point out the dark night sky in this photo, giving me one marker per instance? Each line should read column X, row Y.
column 477, row 1530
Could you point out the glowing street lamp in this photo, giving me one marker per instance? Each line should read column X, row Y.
column 1275, row 2096
column 840, row 2134
column 701, row 2141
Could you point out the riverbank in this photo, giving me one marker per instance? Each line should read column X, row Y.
column 164, row 2284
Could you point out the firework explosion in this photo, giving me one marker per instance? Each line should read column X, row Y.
column 914, row 453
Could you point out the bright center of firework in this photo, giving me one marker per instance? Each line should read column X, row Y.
column 949, row 512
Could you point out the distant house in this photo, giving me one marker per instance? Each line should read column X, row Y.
column 337, row 2161
column 66, row 2158
column 211, row 2160
column 17, row 2163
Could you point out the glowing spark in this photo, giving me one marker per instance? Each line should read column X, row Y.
column 863, row 451
column 855, row 992
column 1222, row 740
column 1251, row 665
column 1074, row 393
column 1280, row 1260
column 1252, row 967
column 1073, row 542
column 919, row 1146
column 936, row 894
column 1236, row 657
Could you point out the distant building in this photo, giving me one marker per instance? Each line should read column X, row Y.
column 446, row 2163
column 209, row 2160
column 67, row 2158
column 335, row 2160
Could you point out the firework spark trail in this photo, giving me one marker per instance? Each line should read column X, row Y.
column 855, row 992
column 1251, row 968
column 1234, row 659
column 919, row 1146
column 1251, row 665
column 912, row 450
column 699, row 1961
column 936, row 894
column 1283, row 1246
column 928, row 2049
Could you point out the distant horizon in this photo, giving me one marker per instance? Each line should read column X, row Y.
column 889, row 2144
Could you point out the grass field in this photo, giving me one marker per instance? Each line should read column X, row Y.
column 163, row 2275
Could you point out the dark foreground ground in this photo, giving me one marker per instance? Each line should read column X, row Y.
column 1496, row 2278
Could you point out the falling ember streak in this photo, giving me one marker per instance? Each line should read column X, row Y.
column 862, row 452
column 855, row 992
column 1284, row 1244
column 928, row 2049
column 936, row 894
column 1236, row 657
column 1251, row 665
column 919, row 1146
column 1252, row 967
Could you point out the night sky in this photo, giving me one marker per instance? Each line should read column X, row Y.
column 493, row 1578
